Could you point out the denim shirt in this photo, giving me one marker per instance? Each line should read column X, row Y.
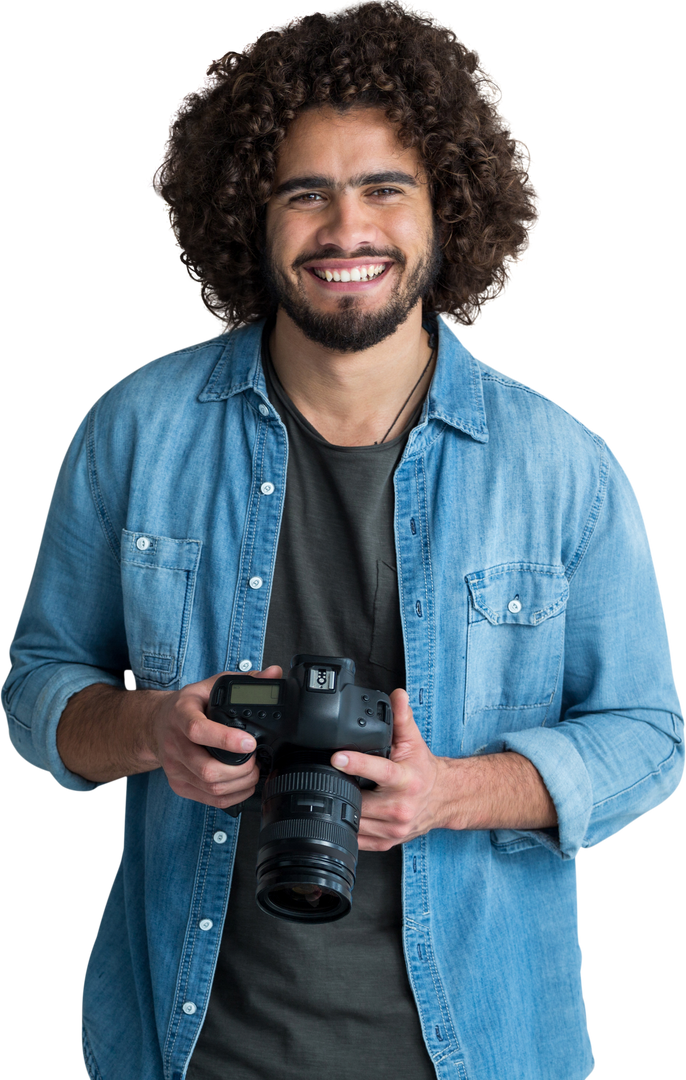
column 531, row 621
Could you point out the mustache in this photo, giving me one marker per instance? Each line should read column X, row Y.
column 321, row 254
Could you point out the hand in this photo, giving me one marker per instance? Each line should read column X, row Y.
column 180, row 732
column 409, row 800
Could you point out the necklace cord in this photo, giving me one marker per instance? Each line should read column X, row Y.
column 404, row 404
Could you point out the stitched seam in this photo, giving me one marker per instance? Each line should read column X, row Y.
column 96, row 493
column 637, row 783
column 594, row 513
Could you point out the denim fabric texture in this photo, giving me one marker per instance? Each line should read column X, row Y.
column 531, row 622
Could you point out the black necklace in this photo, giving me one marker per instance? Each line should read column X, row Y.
column 404, row 404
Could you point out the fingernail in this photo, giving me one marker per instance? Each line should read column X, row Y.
column 340, row 760
column 248, row 744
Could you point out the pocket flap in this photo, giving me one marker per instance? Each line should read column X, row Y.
column 147, row 549
column 524, row 593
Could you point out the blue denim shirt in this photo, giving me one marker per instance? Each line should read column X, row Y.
column 531, row 622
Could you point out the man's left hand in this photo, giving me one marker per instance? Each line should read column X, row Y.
column 410, row 798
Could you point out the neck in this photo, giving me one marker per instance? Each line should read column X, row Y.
column 352, row 398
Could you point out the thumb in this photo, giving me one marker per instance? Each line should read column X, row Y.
column 400, row 703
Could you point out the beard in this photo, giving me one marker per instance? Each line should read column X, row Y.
column 351, row 328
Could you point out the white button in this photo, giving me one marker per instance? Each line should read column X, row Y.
column 205, row 924
column 220, row 837
column 514, row 606
column 189, row 1007
column 264, row 410
column 245, row 665
column 142, row 543
column 255, row 583
column 267, row 488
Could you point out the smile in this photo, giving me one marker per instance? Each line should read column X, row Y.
column 355, row 273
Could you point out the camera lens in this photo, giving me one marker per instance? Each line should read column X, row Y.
column 307, row 850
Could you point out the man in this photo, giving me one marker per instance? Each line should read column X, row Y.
column 338, row 476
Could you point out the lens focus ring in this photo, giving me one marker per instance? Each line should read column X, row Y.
column 309, row 829
column 324, row 783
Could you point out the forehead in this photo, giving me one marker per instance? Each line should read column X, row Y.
column 332, row 143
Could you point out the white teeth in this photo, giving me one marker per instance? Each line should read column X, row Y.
column 357, row 273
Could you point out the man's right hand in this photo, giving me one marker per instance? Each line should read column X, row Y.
column 180, row 732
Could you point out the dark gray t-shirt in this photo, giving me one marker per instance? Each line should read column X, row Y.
column 331, row 1000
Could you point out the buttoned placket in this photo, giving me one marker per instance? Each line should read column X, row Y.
column 244, row 653
column 258, row 552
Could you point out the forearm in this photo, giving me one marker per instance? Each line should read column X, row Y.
column 105, row 733
column 493, row 791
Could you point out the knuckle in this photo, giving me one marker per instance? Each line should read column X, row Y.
column 217, row 789
column 208, row 774
column 194, row 728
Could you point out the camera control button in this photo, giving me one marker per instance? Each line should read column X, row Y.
column 365, row 697
column 267, row 488
column 361, row 721
column 350, row 815
column 189, row 1007
column 369, row 712
column 247, row 713
column 261, row 715
column 232, row 713
column 245, row 665
column 276, row 716
column 205, row 924
column 220, row 837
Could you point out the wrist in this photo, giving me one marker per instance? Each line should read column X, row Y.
column 493, row 791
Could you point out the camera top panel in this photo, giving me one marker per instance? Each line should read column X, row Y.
column 321, row 679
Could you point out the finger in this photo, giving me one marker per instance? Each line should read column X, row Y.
column 206, row 768
column 271, row 672
column 205, row 732
column 368, row 766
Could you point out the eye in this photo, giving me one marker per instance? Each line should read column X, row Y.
column 385, row 191
column 306, row 196
column 309, row 193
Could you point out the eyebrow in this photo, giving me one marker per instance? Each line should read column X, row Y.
column 302, row 183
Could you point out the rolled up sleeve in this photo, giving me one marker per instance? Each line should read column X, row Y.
column 617, row 749
column 71, row 632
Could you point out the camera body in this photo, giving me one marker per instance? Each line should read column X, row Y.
column 307, row 850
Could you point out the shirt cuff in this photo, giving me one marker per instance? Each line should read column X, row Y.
column 32, row 730
column 565, row 776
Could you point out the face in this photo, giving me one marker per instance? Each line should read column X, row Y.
column 351, row 244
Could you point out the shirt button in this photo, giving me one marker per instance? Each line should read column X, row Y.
column 514, row 606
column 205, row 924
column 267, row 488
column 264, row 410
column 255, row 583
column 189, row 1007
column 143, row 543
column 245, row 665
column 220, row 837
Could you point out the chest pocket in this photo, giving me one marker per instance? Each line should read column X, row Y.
column 158, row 583
column 516, row 637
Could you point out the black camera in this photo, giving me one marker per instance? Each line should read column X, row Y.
column 307, row 851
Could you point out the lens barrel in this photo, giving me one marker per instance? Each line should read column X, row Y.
column 307, row 848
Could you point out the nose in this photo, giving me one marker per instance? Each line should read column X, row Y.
column 347, row 224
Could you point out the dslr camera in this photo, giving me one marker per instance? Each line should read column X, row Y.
column 307, row 850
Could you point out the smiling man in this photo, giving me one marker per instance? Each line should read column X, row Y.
column 349, row 258
column 337, row 476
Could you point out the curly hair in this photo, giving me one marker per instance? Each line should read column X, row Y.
column 221, row 157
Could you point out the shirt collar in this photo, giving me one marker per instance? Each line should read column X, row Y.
column 455, row 395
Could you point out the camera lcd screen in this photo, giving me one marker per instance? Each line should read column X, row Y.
column 257, row 692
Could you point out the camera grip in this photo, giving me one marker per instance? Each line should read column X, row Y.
column 227, row 757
